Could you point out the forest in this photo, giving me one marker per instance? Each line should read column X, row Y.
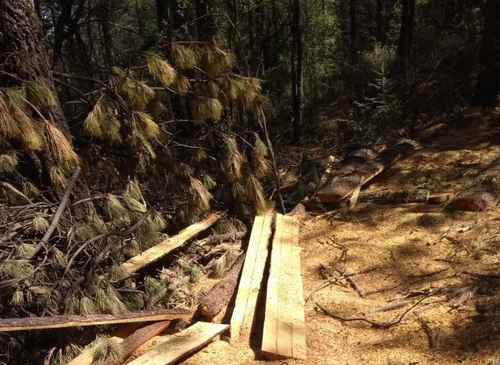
column 329, row 166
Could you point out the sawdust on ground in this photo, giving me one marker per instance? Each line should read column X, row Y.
column 399, row 256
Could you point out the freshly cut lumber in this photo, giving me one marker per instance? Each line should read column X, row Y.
column 87, row 356
column 284, row 325
column 252, row 276
column 180, row 345
column 355, row 172
column 218, row 298
column 40, row 323
column 137, row 339
column 164, row 248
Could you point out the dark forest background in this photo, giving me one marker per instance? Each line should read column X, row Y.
column 152, row 113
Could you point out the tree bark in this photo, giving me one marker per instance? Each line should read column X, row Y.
column 354, row 32
column 22, row 55
column 207, row 28
column 406, row 36
column 298, row 70
column 488, row 85
column 380, row 19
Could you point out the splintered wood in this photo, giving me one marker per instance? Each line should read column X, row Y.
column 251, row 277
column 156, row 252
column 284, row 325
column 39, row 323
column 178, row 346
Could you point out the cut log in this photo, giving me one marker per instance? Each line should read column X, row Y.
column 164, row 248
column 472, row 202
column 354, row 173
column 251, row 278
column 137, row 339
column 405, row 197
column 41, row 323
column 218, row 298
column 284, row 325
column 179, row 346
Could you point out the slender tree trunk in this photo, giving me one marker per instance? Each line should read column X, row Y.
column 380, row 19
column 354, row 32
column 406, row 36
column 298, row 58
column 488, row 85
column 106, row 31
column 206, row 23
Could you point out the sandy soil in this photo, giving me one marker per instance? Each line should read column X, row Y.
column 435, row 270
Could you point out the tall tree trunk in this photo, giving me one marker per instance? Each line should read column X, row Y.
column 106, row 31
column 406, row 36
column 205, row 20
column 380, row 19
column 354, row 32
column 22, row 55
column 488, row 85
column 298, row 69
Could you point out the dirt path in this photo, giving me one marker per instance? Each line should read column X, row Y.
column 404, row 254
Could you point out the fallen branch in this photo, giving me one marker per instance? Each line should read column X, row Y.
column 374, row 324
column 405, row 197
column 16, row 192
column 232, row 236
column 40, row 323
column 431, row 337
column 60, row 210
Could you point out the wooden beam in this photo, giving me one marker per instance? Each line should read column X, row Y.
column 284, row 325
column 180, row 345
column 41, row 323
column 164, row 248
column 251, row 278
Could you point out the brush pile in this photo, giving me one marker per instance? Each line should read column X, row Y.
column 144, row 173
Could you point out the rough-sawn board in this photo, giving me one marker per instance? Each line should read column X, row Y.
column 284, row 326
column 180, row 345
column 251, row 278
column 158, row 251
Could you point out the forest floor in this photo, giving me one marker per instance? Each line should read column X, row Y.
column 435, row 270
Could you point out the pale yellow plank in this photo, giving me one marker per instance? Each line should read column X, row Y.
column 284, row 324
column 86, row 357
column 251, row 278
column 156, row 252
column 178, row 346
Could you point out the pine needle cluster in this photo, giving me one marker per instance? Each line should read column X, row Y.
column 161, row 70
column 234, row 160
column 206, row 108
column 260, row 162
column 185, row 58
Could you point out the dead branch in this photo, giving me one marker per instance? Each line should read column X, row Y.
column 60, row 210
column 374, row 324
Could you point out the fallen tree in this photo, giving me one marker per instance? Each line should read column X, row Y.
column 355, row 171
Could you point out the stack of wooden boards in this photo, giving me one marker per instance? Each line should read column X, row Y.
column 283, row 331
column 271, row 270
